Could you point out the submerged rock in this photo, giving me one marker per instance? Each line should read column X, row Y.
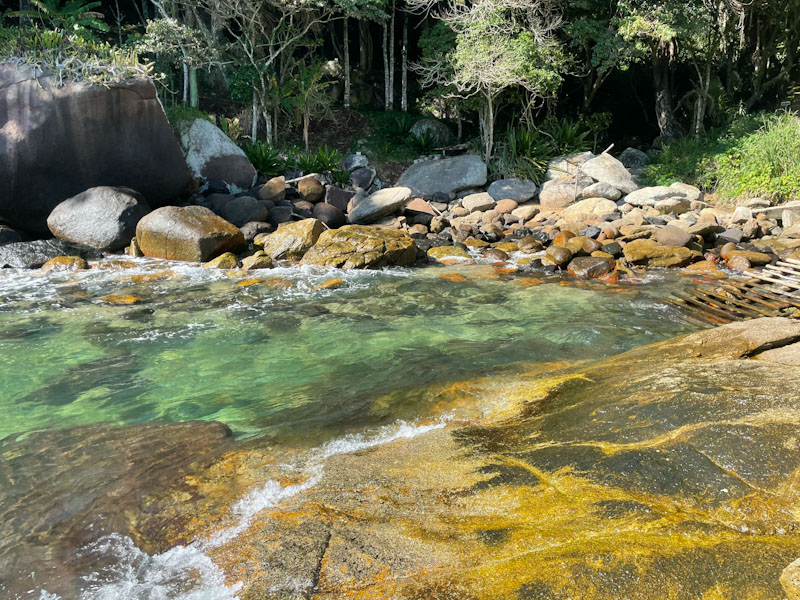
column 362, row 247
column 106, row 472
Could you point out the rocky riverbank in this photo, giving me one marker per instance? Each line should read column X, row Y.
column 592, row 219
column 666, row 471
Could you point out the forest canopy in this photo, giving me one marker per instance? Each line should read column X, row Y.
column 504, row 73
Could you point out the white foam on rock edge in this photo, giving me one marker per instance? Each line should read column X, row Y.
column 187, row 572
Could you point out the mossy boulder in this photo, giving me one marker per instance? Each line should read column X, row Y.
column 292, row 240
column 362, row 247
column 190, row 233
column 650, row 253
column 64, row 263
column 440, row 253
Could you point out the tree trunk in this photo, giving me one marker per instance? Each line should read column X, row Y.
column 267, row 124
column 275, row 124
column 404, row 67
column 487, row 125
column 254, row 127
column 185, row 83
column 391, row 59
column 146, row 9
column 346, row 44
column 364, row 47
column 385, row 67
column 305, row 129
column 663, row 52
column 194, row 92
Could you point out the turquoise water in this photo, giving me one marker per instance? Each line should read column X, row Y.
column 281, row 355
column 285, row 363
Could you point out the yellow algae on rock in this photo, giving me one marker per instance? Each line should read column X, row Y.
column 667, row 472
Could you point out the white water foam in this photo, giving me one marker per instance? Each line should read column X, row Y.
column 187, row 572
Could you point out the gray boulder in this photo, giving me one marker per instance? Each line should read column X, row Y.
column 212, row 155
column 354, row 161
column 8, row 235
column 381, row 203
column 362, row 178
column 560, row 193
column 673, row 236
column 243, row 209
column 442, row 136
column 602, row 190
column 447, row 176
column 101, row 217
column 56, row 142
column 32, row 255
column 650, row 196
column 567, row 166
column 518, row 190
column 634, row 159
column 607, row 169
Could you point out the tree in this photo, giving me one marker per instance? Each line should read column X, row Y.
column 179, row 44
column 308, row 95
column 262, row 31
column 598, row 48
column 499, row 45
column 73, row 15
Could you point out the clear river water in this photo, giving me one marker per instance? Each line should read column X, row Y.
column 282, row 361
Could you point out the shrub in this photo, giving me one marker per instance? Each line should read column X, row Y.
column 264, row 157
column 69, row 56
column 754, row 156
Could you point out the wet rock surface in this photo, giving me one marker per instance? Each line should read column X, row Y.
column 668, row 471
column 104, row 473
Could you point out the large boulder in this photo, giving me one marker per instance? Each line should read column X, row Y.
column 212, row 155
column 650, row 196
column 56, row 142
column 607, row 169
column 190, row 233
column 362, row 247
column 518, row 190
column 102, row 217
column 441, row 134
column 560, row 193
column 567, row 166
column 446, row 176
column 381, row 203
column 32, row 255
column 588, row 209
column 243, row 210
column 292, row 240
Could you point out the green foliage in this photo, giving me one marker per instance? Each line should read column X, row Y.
column 424, row 141
column 525, row 152
column 323, row 160
column 174, row 42
column 341, row 177
column 183, row 112
column 73, row 16
column 69, row 56
column 265, row 158
column 752, row 157
column 401, row 124
column 381, row 141
column 327, row 159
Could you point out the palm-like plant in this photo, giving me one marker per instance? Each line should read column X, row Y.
column 72, row 15
column 308, row 95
